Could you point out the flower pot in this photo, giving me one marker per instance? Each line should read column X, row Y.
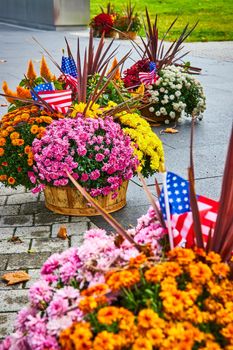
column 152, row 118
column 127, row 35
column 69, row 201
column 112, row 34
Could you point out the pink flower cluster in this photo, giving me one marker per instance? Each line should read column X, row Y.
column 95, row 151
column 54, row 298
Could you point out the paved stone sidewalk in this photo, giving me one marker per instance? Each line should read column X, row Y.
column 23, row 215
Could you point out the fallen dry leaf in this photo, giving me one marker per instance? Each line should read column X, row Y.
column 3, row 105
column 62, row 233
column 169, row 131
column 16, row 277
column 3, row 61
column 15, row 239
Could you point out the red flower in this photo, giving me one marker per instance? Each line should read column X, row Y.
column 131, row 77
column 103, row 22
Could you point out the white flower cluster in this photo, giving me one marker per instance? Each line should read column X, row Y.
column 176, row 93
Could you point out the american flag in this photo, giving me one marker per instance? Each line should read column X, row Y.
column 40, row 88
column 68, row 66
column 59, row 100
column 181, row 215
column 71, row 82
column 148, row 78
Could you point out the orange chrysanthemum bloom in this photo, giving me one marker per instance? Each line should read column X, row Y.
column 147, row 318
column 138, row 260
column 2, row 141
column 5, row 133
column 23, row 93
column 47, row 120
column 1, row 151
column 45, row 71
column 98, row 289
column 104, row 340
column 220, row 269
column 3, row 177
column 25, row 116
column 10, row 129
column 88, row 304
column 108, row 315
column 155, row 336
column 154, row 274
column 181, row 255
column 11, row 180
column 34, row 129
column 142, row 343
column 9, row 92
column 30, row 162
column 14, row 135
column 199, row 272
column 124, row 278
column 31, row 73
column 27, row 149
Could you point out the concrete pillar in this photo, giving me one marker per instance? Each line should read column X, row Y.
column 46, row 14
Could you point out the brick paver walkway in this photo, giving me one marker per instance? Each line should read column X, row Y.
column 24, row 215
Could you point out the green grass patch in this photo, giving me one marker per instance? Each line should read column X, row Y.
column 215, row 16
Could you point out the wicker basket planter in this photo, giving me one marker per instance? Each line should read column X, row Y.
column 152, row 118
column 69, row 201
column 111, row 34
column 127, row 35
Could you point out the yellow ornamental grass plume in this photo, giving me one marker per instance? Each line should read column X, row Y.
column 23, row 93
column 8, row 91
column 31, row 73
column 45, row 71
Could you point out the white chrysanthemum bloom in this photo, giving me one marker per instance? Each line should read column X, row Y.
column 157, row 113
column 171, row 97
column 162, row 89
column 179, row 86
column 166, row 121
column 149, row 87
column 179, row 120
column 151, row 109
column 178, row 93
column 172, row 114
column 163, row 110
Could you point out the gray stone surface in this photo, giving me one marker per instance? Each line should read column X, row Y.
column 17, row 220
column 3, row 261
column 72, row 228
column 76, row 240
column 14, row 248
column 2, row 199
column 9, row 210
column 6, row 232
column 49, row 218
column 34, row 276
column 13, row 299
column 33, row 232
column 11, row 191
column 33, row 208
column 52, row 245
column 7, row 320
column 27, row 260
column 22, row 198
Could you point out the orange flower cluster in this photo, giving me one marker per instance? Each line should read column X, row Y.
column 17, row 132
column 182, row 303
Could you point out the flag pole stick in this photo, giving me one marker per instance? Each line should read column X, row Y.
column 167, row 209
